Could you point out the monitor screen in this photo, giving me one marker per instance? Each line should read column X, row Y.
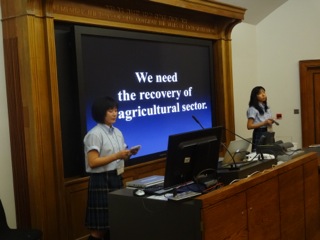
column 191, row 154
column 267, row 138
column 159, row 81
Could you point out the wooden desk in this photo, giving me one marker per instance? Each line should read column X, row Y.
column 278, row 203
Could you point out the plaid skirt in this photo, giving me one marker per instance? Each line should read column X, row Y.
column 97, row 204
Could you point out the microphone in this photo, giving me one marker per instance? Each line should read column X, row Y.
column 234, row 165
column 238, row 135
column 197, row 121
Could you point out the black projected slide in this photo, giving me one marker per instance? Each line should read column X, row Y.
column 160, row 81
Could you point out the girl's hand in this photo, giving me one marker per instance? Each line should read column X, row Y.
column 268, row 122
column 124, row 154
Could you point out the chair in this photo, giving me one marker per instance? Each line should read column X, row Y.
column 7, row 233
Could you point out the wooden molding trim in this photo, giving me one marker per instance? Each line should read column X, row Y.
column 309, row 88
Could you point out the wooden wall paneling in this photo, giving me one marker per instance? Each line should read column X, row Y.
column 310, row 101
column 211, row 7
column 17, row 138
column 316, row 91
column 226, row 219
column 43, row 108
column 18, row 119
column 43, row 205
column 290, row 178
column 291, row 190
column 59, row 193
column 224, row 87
column 76, row 195
column 312, row 200
column 263, row 210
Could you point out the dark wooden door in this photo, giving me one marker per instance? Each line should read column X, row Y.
column 310, row 101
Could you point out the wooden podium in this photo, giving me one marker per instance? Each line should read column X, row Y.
column 277, row 203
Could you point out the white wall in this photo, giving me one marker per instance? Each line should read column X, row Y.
column 276, row 45
column 266, row 54
column 245, row 75
column 6, row 178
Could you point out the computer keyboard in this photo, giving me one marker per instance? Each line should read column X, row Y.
column 160, row 190
column 183, row 195
column 153, row 189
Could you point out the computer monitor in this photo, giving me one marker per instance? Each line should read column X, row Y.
column 192, row 154
column 268, row 145
column 267, row 138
